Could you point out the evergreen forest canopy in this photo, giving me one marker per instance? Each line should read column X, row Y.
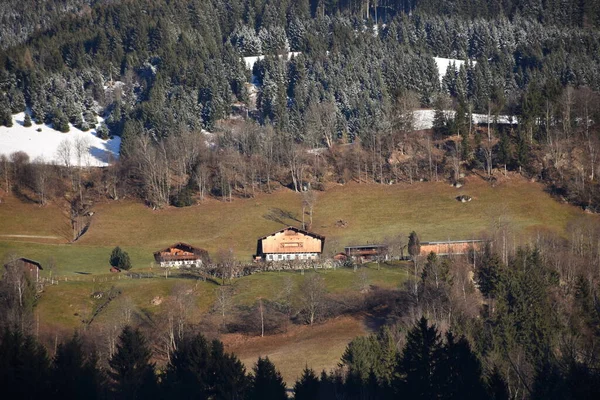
column 159, row 69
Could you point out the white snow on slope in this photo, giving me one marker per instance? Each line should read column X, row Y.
column 45, row 143
column 423, row 119
column 250, row 61
column 442, row 65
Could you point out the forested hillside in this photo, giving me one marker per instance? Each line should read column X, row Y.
column 161, row 71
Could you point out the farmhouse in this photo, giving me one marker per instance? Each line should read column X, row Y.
column 181, row 255
column 290, row 244
column 450, row 247
column 30, row 267
column 367, row 252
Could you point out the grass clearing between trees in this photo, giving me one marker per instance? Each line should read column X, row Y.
column 319, row 347
column 371, row 213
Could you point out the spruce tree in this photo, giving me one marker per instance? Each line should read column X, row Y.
column 75, row 374
column 24, row 367
column 267, row 382
column 188, row 370
column 228, row 379
column 418, row 366
column 27, row 121
column 131, row 372
column 459, row 372
column 120, row 259
column 307, row 387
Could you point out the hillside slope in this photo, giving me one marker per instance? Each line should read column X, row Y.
column 370, row 213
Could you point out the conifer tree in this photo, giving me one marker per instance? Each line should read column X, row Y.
column 120, row 259
column 24, row 367
column 27, row 121
column 132, row 373
column 419, row 363
column 266, row 382
column 75, row 374
column 228, row 379
column 460, row 372
column 307, row 387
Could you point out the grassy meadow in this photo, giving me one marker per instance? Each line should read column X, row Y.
column 371, row 213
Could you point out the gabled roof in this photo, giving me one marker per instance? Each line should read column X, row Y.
column 23, row 259
column 293, row 228
column 183, row 246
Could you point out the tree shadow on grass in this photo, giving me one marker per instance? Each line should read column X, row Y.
column 281, row 216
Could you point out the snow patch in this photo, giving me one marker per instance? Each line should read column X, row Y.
column 250, row 61
column 442, row 65
column 423, row 119
column 45, row 144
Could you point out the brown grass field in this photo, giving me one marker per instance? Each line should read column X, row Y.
column 294, row 350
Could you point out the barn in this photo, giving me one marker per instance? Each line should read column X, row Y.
column 367, row 252
column 290, row 244
column 181, row 255
column 450, row 247
column 30, row 267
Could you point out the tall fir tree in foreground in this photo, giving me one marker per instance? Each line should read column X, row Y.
column 267, row 382
column 132, row 373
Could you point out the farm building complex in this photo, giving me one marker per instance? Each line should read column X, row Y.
column 290, row 244
column 181, row 255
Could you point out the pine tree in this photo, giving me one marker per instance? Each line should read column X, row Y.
column 487, row 273
column 27, row 121
column 188, row 370
column 120, row 259
column 267, row 382
column 131, row 372
column 228, row 379
column 24, row 367
column 417, row 368
column 460, row 371
column 75, row 374
column 496, row 386
column 307, row 387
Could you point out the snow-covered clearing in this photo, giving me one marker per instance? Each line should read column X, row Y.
column 45, row 144
column 442, row 65
column 423, row 119
column 250, row 61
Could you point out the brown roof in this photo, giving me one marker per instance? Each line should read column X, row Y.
column 25, row 260
column 198, row 252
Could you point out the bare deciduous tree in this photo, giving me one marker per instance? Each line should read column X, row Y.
column 309, row 200
column 40, row 178
column 224, row 300
column 312, row 296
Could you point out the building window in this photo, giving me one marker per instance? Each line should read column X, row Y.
column 280, row 257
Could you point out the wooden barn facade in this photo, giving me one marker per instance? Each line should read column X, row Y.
column 290, row 244
column 30, row 267
column 181, row 255
column 450, row 247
